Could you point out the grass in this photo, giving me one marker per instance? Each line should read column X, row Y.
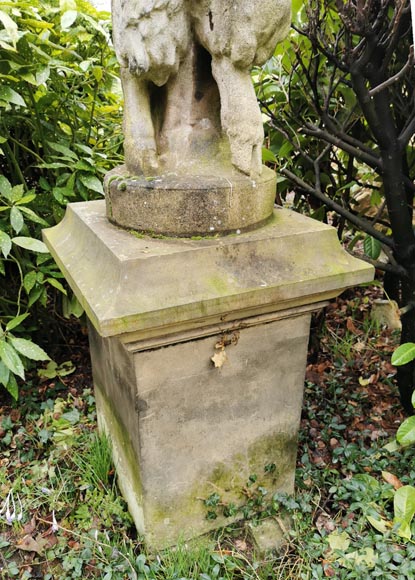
column 74, row 524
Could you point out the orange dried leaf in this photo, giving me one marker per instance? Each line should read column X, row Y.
column 392, row 479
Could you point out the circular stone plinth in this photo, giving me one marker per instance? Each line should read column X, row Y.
column 184, row 206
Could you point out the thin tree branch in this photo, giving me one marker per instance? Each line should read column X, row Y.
column 360, row 223
column 371, row 160
column 407, row 133
column 393, row 79
column 397, row 270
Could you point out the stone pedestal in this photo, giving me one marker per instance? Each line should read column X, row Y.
column 198, row 350
column 222, row 201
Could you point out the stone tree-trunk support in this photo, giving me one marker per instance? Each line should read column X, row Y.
column 198, row 343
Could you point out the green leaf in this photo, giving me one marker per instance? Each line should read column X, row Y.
column 339, row 541
column 5, row 187
column 372, row 247
column 17, row 193
column 26, row 199
column 405, row 435
column 404, row 509
column 35, row 295
column 12, row 387
column 52, row 370
column 72, row 306
column 365, row 557
column 380, row 524
column 285, row 150
column 68, row 18
column 404, row 354
column 33, row 216
column 10, row 27
column 268, row 155
column 5, row 244
column 64, row 150
column 56, row 284
column 54, row 165
column 4, row 374
column 29, row 349
column 16, row 321
column 42, row 75
column 84, row 165
column 11, row 359
column 16, row 219
column 72, row 416
column 9, row 95
column 91, row 182
column 29, row 281
column 31, row 244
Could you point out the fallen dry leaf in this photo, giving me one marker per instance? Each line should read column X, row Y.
column 352, row 328
column 392, row 479
column 325, row 522
column 30, row 527
column 30, row 544
column 219, row 358
column 241, row 545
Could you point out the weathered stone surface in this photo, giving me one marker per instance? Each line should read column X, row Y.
column 192, row 205
column 183, row 429
column 198, row 349
column 153, row 287
column 185, row 70
column 269, row 535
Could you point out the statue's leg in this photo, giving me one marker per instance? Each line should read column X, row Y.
column 240, row 115
column 139, row 140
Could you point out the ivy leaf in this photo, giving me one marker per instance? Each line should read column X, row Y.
column 29, row 349
column 11, row 359
column 31, row 244
column 404, row 354
column 372, row 247
column 16, row 219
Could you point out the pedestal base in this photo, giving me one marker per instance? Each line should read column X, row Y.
column 191, row 205
column 183, row 429
column 198, row 352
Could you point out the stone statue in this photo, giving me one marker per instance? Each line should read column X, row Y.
column 185, row 68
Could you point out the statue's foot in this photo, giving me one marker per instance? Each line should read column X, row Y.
column 141, row 161
column 247, row 157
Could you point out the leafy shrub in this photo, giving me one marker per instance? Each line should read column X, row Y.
column 60, row 131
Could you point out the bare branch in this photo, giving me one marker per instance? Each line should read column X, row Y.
column 397, row 270
column 360, row 223
column 393, row 79
column 371, row 160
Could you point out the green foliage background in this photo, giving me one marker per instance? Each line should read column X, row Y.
column 60, row 131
